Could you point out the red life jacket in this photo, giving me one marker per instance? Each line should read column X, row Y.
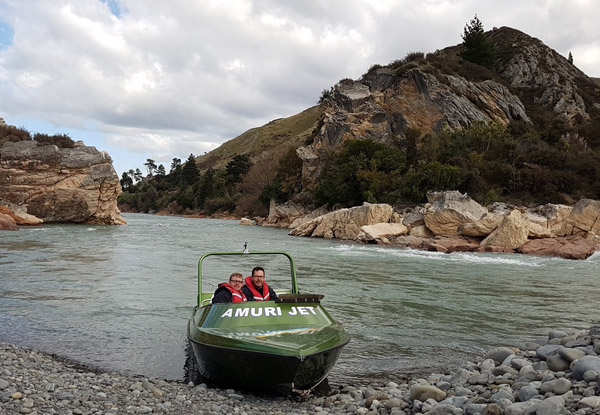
column 236, row 296
column 258, row 296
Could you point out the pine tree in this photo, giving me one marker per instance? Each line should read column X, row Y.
column 189, row 172
column 478, row 48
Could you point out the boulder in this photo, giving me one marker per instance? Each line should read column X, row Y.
column 424, row 392
column 450, row 244
column 20, row 215
column 77, row 185
column 414, row 218
column 585, row 217
column 282, row 216
column 537, row 231
column 511, row 234
column 421, row 231
column 7, row 223
column 574, row 247
column 449, row 210
column 345, row 223
column 381, row 230
column 499, row 354
column 247, row 222
column 551, row 217
column 482, row 227
column 308, row 217
column 580, row 366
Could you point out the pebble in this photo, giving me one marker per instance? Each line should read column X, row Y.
column 531, row 379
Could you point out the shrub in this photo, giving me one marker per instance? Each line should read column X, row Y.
column 59, row 140
column 10, row 133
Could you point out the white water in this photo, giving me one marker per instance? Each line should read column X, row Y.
column 118, row 298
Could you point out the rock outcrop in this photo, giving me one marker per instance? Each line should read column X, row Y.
column 382, row 106
column 345, row 223
column 75, row 185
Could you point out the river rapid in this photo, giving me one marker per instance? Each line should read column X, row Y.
column 118, row 298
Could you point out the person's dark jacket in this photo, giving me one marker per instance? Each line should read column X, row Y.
column 224, row 294
column 250, row 295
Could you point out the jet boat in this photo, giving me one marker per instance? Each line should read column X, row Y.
column 290, row 344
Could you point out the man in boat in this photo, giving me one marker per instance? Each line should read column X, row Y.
column 230, row 292
column 256, row 289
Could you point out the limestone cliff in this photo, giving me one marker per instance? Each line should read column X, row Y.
column 77, row 185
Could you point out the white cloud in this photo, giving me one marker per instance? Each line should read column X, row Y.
column 171, row 78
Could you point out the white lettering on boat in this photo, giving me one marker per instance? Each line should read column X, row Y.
column 305, row 311
column 272, row 311
column 242, row 312
column 268, row 312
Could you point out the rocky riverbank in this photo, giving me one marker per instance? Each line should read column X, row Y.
column 558, row 377
column 453, row 222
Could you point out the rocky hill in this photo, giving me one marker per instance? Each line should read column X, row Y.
column 271, row 140
column 75, row 184
column 524, row 129
column 430, row 92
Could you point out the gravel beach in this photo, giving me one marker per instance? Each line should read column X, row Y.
column 558, row 377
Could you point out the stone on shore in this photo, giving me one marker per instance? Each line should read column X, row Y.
column 7, row 223
column 378, row 231
column 574, row 247
column 345, row 223
column 449, row 210
column 510, row 234
column 482, row 227
column 585, row 217
column 522, row 384
column 584, row 364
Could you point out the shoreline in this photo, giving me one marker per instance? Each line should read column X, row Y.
column 560, row 376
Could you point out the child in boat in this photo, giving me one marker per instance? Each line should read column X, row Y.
column 230, row 292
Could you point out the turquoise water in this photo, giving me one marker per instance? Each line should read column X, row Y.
column 118, row 297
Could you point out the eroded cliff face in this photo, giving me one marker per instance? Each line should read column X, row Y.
column 77, row 185
column 382, row 106
column 528, row 64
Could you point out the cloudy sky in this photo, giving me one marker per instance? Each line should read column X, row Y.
column 161, row 79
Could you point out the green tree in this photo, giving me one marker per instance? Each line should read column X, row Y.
column 477, row 47
column 363, row 170
column 151, row 166
column 126, row 182
column 160, row 171
column 236, row 168
column 288, row 181
column 175, row 165
column 137, row 175
column 189, row 172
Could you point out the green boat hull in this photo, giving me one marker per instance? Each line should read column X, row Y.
column 266, row 346
column 264, row 371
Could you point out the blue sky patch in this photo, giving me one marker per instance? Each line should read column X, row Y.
column 6, row 35
column 114, row 7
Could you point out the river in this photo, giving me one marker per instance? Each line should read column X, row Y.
column 118, row 297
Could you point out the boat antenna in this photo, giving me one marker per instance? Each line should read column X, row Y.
column 246, row 248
